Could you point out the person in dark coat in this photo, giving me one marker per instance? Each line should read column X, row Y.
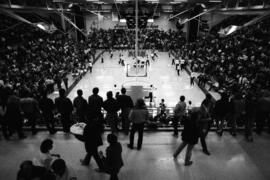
column 113, row 160
column 190, row 134
column 80, row 105
column 220, row 112
column 92, row 140
column 125, row 103
column 29, row 107
column 13, row 115
column 111, row 106
column 95, row 103
column 46, row 106
column 64, row 107
column 250, row 109
column 205, row 121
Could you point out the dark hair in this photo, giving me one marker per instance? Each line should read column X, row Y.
column 95, row 90
column 59, row 167
column 208, row 96
column 44, row 94
column 79, row 92
column 111, row 138
column 62, row 92
column 182, row 98
column 140, row 104
column 46, row 145
column 109, row 94
column 123, row 90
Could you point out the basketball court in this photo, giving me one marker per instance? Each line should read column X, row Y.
column 160, row 78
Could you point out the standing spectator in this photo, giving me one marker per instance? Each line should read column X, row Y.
column 111, row 106
column 250, row 109
column 14, row 116
column 92, row 140
column 30, row 109
column 94, row 106
column 189, row 135
column 205, row 121
column 80, row 106
column 113, row 160
column 238, row 105
column 179, row 112
column 3, row 121
column 220, row 112
column 138, row 116
column 125, row 103
column 47, row 107
column 64, row 107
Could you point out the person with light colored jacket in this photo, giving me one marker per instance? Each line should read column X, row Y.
column 138, row 116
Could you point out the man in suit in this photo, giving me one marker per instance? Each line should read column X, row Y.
column 95, row 103
column 80, row 105
column 179, row 112
column 64, row 107
column 47, row 107
column 125, row 103
column 111, row 106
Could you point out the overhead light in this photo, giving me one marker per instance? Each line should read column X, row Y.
column 123, row 20
column 121, row 1
column 150, row 20
column 41, row 27
column 152, row 1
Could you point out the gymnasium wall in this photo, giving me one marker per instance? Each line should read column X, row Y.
column 91, row 20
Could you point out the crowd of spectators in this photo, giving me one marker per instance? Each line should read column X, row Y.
column 237, row 62
column 125, row 39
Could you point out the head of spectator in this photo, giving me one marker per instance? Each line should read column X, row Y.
column 59, row 167
column 182, row 98
column 79, row 92
column 26, row 169
column 95, row 91
column 109, row 95
column 46, row 146
column 111, row 138
column 62, row 92
column 123, row 90
column 44, row 94
column 140, row 104
column 208, row 96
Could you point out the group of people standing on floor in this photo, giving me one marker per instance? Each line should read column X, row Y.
column 138, row 115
